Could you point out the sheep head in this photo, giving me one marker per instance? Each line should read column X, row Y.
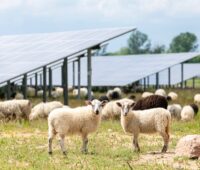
column 125, row 107
column 96, row 105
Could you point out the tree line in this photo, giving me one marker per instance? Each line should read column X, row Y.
column 139, row 43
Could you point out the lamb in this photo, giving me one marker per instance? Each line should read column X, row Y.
column 57, row 92
column 42, row 110
column 112, row 111
column 188, row 112
column 175, row 110
column 83, row 92
column 172, row 96
column 153, row 101
column 146, row 94
column 81, row 120
column 197, row 99
column 145, row 121
column 161, row 92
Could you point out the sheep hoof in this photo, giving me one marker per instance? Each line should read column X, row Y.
column 164, row 149
column 50, row 152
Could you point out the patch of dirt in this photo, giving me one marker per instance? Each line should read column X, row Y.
column 168, row 158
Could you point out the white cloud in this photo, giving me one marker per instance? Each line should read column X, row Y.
column 9, row 4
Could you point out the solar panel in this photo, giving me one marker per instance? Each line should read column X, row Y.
column 190, row 71
column 123, row 70
column 23, row 53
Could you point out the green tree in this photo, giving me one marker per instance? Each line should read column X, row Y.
column 158, row 49
column 139, row 43
column 184, row 42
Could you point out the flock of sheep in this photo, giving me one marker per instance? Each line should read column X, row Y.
column 149, row 114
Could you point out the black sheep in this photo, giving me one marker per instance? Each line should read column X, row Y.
column 149, row 102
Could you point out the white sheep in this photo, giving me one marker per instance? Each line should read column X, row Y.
column 19, row 96
column 145, row 121
column 146, row 94
column 42, row 109
column 188, row 112
column 83, row 92
column 175, row 110
column 114, row 94
column 197, row 99
column 173, row 96
column 161, row 92
column 81, row 120
column 112, row 111
column 30, row 91
column 58, row 92
column 40, row 93
column 10, row 110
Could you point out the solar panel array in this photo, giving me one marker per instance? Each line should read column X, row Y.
column 23, row 53
column 123, row 70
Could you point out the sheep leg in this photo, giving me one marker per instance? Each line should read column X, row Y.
column 85, row 142
column 165, row 137
column 50, row 139
column 135, row 143
column 62, row 144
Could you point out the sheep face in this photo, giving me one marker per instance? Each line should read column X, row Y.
column 125, row 107
column 96, row 105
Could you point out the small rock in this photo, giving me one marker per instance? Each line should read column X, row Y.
column 188, row 146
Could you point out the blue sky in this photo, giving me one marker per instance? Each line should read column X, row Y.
column 161, row 20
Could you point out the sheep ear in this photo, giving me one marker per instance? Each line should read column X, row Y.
column 88, row 102
column 119, row 104
column 103, row 103
column 133, row 104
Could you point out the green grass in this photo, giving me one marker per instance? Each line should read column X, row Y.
column 24, row 146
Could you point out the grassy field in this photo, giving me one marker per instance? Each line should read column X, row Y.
column 24, row 146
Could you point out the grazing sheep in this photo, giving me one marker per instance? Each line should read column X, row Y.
column 102, row 98
column 42, row 110
column 112, row 111
column 161, row 92
column 25, row 107
column 81, row 120
column 175, row 110
column 19, row 96
column 10, row 110
column 145, row 121
column 40, row 93
column 188, row 112
column 30, row 91
column 146, row 94
column 153, row 101
column 117, row 89
column 173, row 96
column 197, row 99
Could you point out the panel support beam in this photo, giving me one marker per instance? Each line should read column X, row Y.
column 44, row 83
column 157, row 80
column 79, row 78
column 182, row 75
column 169, row 77
column 193, row 82
column 50, row 81
column 65, row 80
column 89, row 73
column 24, row 85
column 73, row 73
column 36, row 84
column 8, row 89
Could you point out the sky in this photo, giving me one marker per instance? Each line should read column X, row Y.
column 161, row 20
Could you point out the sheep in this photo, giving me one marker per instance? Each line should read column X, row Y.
column 30, row 91
column 81, row 120
column 19, row 96
column 146, row 94
column 25, row 107
column 145, row 121
column 172, row 96
column 175, row 110
column 153, row 101
column 40, row 93
column 57, row 92
column 102, row 98
column 188, row 112
column 161, row 92
column 114, row 94
column 112, row 111
column 83, row 92
column 42, row 110
column 10, row 110
column 197, row 99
